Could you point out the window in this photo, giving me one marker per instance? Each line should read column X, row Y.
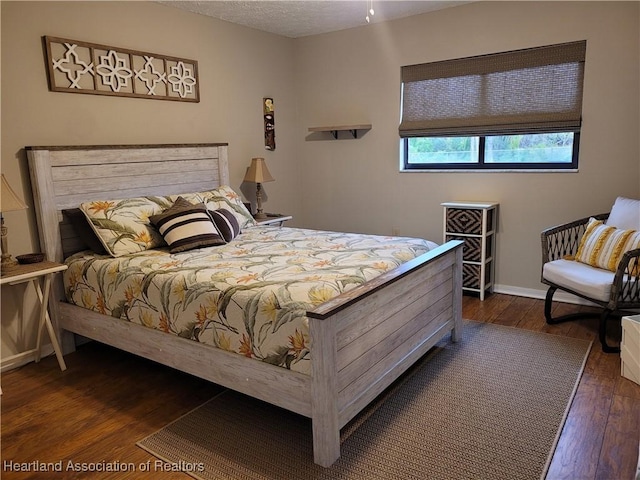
column 512, row 110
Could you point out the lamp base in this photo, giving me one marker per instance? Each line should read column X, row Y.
column 8, row 263
column 260, row 215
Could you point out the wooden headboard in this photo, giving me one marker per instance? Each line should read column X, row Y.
column 64, row 177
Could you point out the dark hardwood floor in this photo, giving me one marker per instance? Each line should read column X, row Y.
column 107, row 400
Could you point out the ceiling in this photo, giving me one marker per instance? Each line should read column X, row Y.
column 301, row 18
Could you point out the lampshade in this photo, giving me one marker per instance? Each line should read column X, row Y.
column 258, row 172
column 9, row 201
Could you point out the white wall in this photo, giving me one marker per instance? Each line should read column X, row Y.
column 353, row 76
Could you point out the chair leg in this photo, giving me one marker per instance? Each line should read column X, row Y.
column 603, row 333
column 548, row 304
column 602, row 329
column 548, row 301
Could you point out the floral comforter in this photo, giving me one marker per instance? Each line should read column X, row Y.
column 249, row 296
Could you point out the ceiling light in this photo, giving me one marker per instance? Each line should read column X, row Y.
column 370, row 11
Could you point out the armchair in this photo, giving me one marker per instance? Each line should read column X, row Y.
column 616, row 289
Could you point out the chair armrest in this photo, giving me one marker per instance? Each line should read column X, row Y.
column 563, row 240
column 625, row 291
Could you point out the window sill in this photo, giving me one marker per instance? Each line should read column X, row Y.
column 492, row 170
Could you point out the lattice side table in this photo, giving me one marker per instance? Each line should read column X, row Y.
column 475, row 223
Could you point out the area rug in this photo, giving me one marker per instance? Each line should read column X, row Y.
column 489, row 407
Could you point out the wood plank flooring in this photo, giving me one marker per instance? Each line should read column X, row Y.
column 94, row 412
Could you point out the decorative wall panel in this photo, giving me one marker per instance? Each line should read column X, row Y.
column 81, row 67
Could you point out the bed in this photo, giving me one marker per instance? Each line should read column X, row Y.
column 361, row 339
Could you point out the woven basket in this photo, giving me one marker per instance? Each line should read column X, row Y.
column 30, row 258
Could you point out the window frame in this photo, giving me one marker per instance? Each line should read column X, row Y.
column 530, row 91
column 481, row 165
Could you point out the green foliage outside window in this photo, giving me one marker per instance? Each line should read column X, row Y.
column 519, row 150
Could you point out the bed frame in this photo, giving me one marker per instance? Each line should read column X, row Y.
column 362, row 340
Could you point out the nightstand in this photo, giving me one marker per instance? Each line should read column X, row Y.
column 274, row 219
column 475, row 224
column 33, row 272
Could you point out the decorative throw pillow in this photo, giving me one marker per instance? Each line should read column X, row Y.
column 185, row 226
column 194, row 198
column 226, row 223
column 625, row 214
column 82, row 228
column 123, row 226
column 225, row 197
column 602, row 246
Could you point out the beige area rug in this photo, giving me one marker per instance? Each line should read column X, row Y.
column 489, row 407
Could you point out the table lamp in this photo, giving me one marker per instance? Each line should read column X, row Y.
column 258, row 173
column 9, row 202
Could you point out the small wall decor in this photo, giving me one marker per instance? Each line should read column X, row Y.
column 81, row 67
column 269, row 124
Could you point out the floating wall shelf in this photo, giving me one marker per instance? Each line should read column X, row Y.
column 343, row 128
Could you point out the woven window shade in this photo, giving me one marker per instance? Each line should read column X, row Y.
column 536, row 90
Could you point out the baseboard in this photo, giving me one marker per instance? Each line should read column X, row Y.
column 541, row 294
column 21, row 359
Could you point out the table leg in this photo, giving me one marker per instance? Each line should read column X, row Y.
column 45, row 320
column 20, row 338
column 36, row 286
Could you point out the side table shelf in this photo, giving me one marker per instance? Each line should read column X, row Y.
column 475, row 224
column 273, row 219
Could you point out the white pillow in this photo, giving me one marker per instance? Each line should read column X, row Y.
column 625, row 214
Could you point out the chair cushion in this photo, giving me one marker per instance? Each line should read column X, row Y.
column 589, row 281
column 625, row 214
column 602, row 246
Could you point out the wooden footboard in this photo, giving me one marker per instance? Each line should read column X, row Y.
column 369, row 336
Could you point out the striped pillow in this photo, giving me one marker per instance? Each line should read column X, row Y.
column 185, row 226
column 602, row 246
column 226, row 223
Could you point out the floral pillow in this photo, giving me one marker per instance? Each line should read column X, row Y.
column 225, row 197
column 193, row 198
column 123, row 226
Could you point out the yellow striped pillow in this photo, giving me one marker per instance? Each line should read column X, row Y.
column 602, row 246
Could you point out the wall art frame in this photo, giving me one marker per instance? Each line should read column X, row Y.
column 89, row 68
